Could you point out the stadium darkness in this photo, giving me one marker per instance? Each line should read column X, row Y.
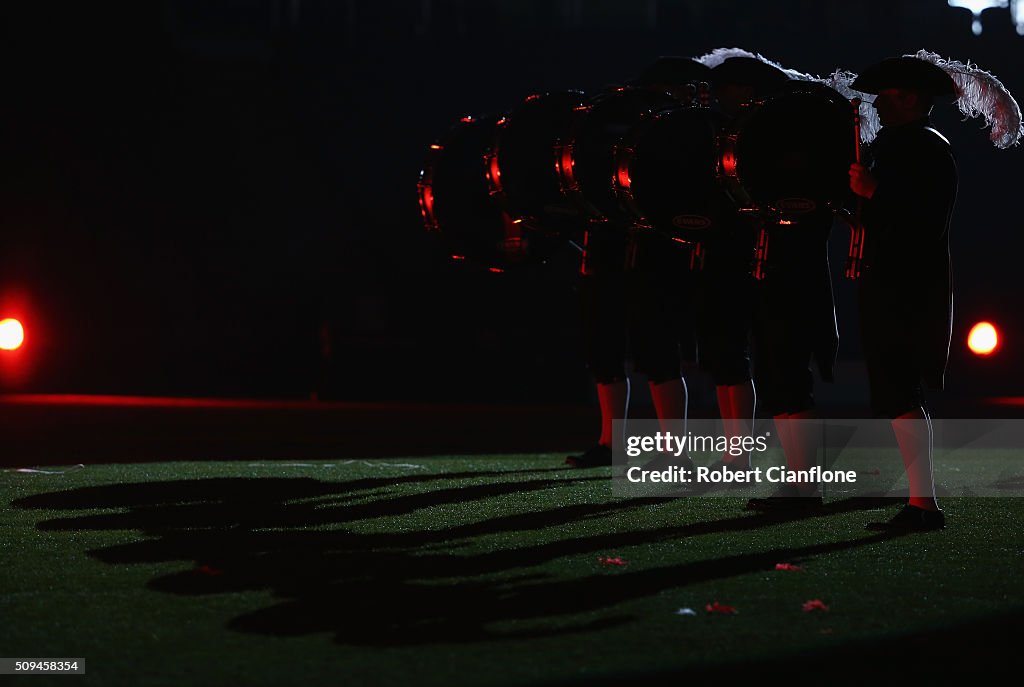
column 198, row 196
column 263, row 429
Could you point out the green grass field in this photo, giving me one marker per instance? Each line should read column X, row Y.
column 477, row 571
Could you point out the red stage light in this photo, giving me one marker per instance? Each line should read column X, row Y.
column 622, row 173
column 12, row 334
column 983, row 339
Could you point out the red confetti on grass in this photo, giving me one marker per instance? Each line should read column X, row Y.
column 814, row 605
column 720, row 608
column 788, row 566
column 604, row 560
column 209, row 570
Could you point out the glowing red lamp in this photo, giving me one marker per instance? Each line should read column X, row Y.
column 12, row 334
column 983, row 339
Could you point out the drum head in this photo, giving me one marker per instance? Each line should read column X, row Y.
column 794, row 150
column 595, row 132
column 667, row 172
column 523, row 173
column 456, row 203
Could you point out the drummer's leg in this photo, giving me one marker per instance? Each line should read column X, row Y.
column 603, row 337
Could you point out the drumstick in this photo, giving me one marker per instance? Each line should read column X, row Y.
column 856, row 253
column 855, row 103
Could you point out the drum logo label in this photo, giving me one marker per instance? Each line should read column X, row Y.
column 691, row 221
column 797, row 205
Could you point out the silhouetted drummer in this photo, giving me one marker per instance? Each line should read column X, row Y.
column 788, row 307
column 908, row 191
column 726, row 296
column 905, row 292
column 638, row 310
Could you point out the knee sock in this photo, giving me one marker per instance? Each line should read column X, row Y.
column 736, row 404
column 800, row 442
column 614, row 400
column 670, row 405
column 914, row 435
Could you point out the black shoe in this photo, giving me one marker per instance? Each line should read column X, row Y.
column 911, row 519
column 594, row 457
column 786, row 500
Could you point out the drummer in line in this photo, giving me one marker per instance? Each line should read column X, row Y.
column 638, row 311
column 789, row 314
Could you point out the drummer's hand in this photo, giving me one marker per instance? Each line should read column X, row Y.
column 861, row 181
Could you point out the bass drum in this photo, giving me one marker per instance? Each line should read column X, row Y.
column 793, row 151
column 521, row 167
column 586, row 162
column 456, row 203
column 667, row 173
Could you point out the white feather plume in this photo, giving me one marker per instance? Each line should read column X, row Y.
column 720, row 55
column 982, row 94
column 869, row 124
column 839, row 80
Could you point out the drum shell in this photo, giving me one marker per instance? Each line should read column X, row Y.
column 794, row 150
column 456, row 202
column 522, row 169
column 587, row 162
column 668, row 170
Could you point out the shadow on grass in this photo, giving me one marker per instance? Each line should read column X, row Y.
column 953, row 654
column 404, row 586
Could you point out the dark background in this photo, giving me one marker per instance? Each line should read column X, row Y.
column 219, row 196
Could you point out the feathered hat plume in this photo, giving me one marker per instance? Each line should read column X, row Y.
column 981, row 94
column 839, row 80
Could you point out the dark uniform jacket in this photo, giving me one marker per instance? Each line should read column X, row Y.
column 798, row 287
column 906, row 289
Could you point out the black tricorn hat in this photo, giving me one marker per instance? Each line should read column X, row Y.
column 910, row 73
column 672, row 70
column 749, row 71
